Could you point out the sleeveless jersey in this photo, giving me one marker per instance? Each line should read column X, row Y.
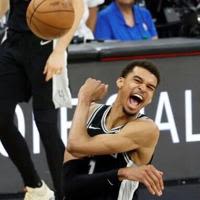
column 104, row 183
column 17, row 15
column 97, row 125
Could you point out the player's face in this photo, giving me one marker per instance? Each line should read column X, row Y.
column 136, row 90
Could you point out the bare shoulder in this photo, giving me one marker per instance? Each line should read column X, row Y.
column 142, row 128
column 142, row 124
column 147, row 122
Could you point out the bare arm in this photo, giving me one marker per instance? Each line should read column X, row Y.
column 132, row 136
column 127, row 139
column 56, row 61
column 4, row 7
column 91, row 22
column 64, row 41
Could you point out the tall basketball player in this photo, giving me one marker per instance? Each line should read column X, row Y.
column 113, row 144
column 27, row 66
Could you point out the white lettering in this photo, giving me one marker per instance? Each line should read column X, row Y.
column 188, row 118
column 64, row 123
column 36, row 137
column 164, row 104
column 111, row 99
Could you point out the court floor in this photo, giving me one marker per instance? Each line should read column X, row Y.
column 175, row 192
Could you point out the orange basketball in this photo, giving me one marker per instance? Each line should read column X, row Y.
column 50, row 19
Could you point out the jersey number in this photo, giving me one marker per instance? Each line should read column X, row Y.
column 91, row 167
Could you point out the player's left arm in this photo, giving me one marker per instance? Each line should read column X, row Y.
column 56, row 61
column 141, row 135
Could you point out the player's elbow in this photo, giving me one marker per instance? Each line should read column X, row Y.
column 74, row 146
column 71, row 146
column 77, row 148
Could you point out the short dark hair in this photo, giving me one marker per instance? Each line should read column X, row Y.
column 148, row 65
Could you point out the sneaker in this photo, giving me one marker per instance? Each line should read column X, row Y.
column 41, row 193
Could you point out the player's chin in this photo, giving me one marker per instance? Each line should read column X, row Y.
column 130, row 111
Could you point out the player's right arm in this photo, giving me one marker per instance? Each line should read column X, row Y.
column 75, row 180
column 4, row 7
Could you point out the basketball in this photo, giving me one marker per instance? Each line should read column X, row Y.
column 50, row 19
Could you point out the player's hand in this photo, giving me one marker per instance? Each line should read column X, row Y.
column 92, row 90
column 146, row 174
column 55, row 64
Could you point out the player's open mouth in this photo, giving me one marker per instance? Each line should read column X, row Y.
column 136, row 99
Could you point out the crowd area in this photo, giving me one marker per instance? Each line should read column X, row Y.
column 135, row 20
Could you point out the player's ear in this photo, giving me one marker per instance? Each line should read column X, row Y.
column 120, row 82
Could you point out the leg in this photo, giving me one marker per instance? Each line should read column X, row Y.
column 46, row 121
column 16, row 146
column 14, row 88
column 45, row 113
column 13, row 85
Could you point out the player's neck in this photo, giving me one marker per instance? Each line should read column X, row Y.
column 117, row 117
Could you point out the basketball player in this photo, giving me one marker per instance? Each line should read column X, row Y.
column 113, row 144
column 27, row 65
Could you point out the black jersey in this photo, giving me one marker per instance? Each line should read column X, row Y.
column 17, row 15
column 113, row 189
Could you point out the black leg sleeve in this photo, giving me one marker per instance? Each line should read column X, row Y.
column 16, row 146
column 46, row 121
